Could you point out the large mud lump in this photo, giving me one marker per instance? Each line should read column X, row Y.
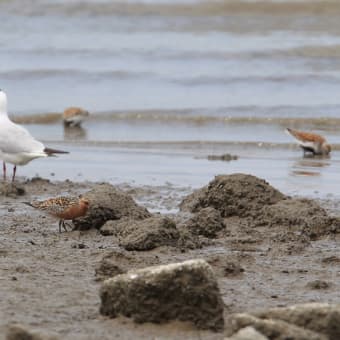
column 186, row 291
column 319, row 317
column 148, row 234
column 273, row 329
column 11, row 189
column 233, row 195
column 299, row 215
column 108, row 203
column 207, row 222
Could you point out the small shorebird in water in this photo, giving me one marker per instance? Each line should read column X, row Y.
column 64, row 208
column 73, row 116
column 310, row 142
column 17, row 146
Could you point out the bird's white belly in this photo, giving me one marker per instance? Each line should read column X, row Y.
column 21, row 158
column 75, row 120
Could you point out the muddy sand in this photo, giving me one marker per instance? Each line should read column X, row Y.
column 266, row 250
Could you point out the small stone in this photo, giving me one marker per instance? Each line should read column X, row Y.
column 227, row 157
column 79, row 245
column 318, row 284
column 232, row 269
column 331, row 260
column 186, row 291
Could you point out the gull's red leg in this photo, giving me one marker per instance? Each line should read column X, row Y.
column 14, row 171
column 4, row 170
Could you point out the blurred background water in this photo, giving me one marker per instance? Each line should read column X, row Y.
column 169, row 82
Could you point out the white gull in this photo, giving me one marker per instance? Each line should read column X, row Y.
column 17, row 146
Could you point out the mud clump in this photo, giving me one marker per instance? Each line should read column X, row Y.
column 186, row 291
column 317, row 317
column 145, row 234
column 299, row 215
column 227, row 157
column 151, row 233
column 271, row 328
column 20, row 332
column 108, row 203
column 318, row 284
column 246, row 202
column 188, row 240
column 107, row 268
column 331, row 260
column 207, row 222
column 233, row 195
column 12, row 190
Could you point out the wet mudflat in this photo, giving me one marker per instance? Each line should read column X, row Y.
column 266, row 250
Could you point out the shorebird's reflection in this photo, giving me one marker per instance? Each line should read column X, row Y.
column 310, row 166
column 74, row 132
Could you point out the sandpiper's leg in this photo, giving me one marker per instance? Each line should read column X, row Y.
column 14, row 172
column 60, row 222
column 4, row 170
column 64, row 226
column 69, row 225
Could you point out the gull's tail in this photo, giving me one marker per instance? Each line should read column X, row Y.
column 51, row 152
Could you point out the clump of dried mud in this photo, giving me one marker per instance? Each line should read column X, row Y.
column 233, row 195
column 250, row 204
column 109, row 203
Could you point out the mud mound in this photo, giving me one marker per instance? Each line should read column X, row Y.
column 273, row 329
column 233, row 195
column 109, row 203
column 247, row 202
column 298, row 215
column 10, row 189
column 323, row 318
column 187, row 240
column 207, row 222
column 146, row 234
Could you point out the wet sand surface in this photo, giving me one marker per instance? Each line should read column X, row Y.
column 48, row 279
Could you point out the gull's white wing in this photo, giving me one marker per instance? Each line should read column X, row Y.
column 16, row 139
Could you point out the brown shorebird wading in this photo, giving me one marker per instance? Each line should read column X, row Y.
column 73, row 116
column 64, row 208
column 310, row 142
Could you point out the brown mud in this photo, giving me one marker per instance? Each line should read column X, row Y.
column 266, row 249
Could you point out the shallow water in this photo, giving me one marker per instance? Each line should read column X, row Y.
column 170, row 82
